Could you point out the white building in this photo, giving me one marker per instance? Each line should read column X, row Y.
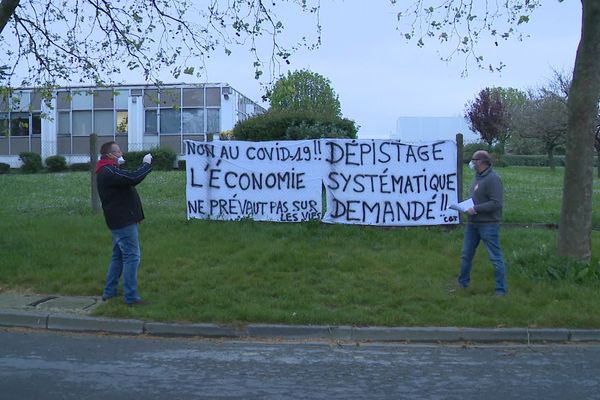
column 137, row 117
column 415, row 129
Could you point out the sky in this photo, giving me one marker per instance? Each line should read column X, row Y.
column 380, row 77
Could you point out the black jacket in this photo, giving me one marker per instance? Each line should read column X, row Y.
column 120, row 201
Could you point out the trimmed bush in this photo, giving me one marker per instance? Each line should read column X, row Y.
column 133, row 159
column 293, row 125
column 32, row 162
column 163, row 158
column 56, row 163
column 79, row 167
column 4, row 168
column 181, row 165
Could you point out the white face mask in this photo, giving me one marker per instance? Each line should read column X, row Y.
column 472, row 165
column 121, row 160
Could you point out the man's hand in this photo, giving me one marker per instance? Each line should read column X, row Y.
column 471, row 211
column 148, row 158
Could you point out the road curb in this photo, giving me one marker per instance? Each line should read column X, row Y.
column 68, row 322
column 201, row 330
column 78, row 323
column 21, row 319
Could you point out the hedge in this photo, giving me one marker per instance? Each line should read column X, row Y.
column 540, row 160
column 4, row 168
column 80, row 166
column 163, row 158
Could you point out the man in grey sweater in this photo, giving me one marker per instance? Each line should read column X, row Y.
column 484, row 222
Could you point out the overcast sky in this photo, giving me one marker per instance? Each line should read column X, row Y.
column 380, row 77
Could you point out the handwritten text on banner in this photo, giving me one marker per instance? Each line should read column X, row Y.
column 369, row 182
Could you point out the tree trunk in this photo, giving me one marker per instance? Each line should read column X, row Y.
column 575, row 228
column 551, row 164
column 598, row 162
column 7, row 9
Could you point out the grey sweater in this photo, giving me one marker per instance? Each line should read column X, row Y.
column 486, row 192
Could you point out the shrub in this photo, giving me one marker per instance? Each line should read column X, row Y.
column 496, row 152
column 286, row 125
column 32, row 162
column 317, row 130
column 181, row 165
column 79, row 167
column 540, row 160
column 56, row 163
column 133, row 159
column 4, row 168
column 163, row 158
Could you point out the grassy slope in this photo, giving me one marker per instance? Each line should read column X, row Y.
column 293, row 273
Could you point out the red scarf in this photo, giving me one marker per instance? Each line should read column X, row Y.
column 104, row 162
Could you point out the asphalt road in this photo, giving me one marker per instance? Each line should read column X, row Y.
column 58, row 365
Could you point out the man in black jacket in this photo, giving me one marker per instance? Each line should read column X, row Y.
column 122, row 211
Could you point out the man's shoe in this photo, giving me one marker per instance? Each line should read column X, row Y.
column 139, row 302
column 106, row 298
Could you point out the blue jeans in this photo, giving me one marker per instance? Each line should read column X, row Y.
column 125, row 261
column 489, row 234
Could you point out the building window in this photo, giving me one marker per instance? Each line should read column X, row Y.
column 213, row 96
column 82, row 101
column 63, row 101
column 64, row 123
column 36, row 101
column 193, row 97
column 103, row 122
column 151, row 98
column 4, row 103
column 36, row 123
column 213, row 120
column 151, row 125
column 104, row 99
column 82, row 123
column 19, row 124
column 122, row 99
column 20, row 101
column 170, row 98
column 170, row 121
column 193, row 120
column 3, row 124
column 122, row 122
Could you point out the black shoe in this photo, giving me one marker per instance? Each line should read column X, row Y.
column 106, row 298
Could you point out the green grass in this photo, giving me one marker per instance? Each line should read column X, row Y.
column 309, row 273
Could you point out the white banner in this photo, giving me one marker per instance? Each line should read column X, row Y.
column 390, row 183
column 367, row 182
column 265, row 181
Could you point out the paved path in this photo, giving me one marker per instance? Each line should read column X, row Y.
column 74, row 313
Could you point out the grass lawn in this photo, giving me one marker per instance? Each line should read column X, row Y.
column 308, row 273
